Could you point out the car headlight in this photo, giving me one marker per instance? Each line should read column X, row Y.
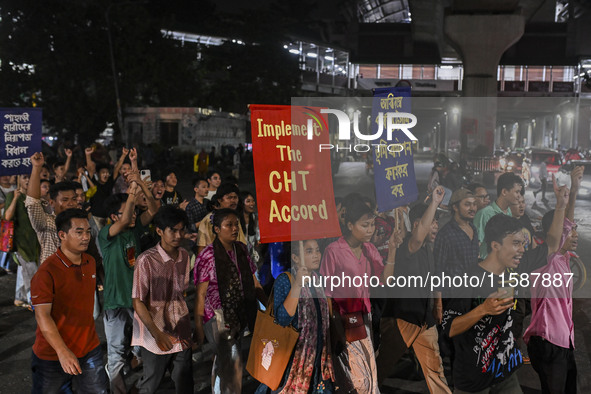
column 511, row 163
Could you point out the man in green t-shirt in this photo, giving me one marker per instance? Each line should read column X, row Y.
column 509, row 187
column 120, row 246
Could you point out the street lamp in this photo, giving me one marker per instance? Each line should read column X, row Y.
column 114, row 70
column 445, row 135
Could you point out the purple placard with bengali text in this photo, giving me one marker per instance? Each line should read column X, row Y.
column 20, row 130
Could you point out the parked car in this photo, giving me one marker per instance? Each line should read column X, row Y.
column 572, row 155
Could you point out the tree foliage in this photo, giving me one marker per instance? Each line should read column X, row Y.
column 65, row 43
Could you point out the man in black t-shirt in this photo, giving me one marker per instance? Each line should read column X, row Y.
column 171, row 196
column 523, row 305
column 518, row 212
column 412, row 316
column 104, row 181
column 480, row 323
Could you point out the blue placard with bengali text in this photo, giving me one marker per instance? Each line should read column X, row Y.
column 394, row 171
column 21, row 130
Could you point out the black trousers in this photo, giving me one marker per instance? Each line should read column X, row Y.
column 155, row 366
column 544, row 183
column 555, row 365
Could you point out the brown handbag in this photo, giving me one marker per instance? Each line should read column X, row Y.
column 271, row 347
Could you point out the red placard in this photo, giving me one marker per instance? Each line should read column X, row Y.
column 293, row 178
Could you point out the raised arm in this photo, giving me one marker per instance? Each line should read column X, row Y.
column 420, row 232
column 127, row 213
column 393, row 244
column 124, row 153
column 11, row 210
column 68, row 153
column 90, row 164
column 34, row 189
column 555, row 232
column 576, row 177
column 133, row 159
column 153, row 205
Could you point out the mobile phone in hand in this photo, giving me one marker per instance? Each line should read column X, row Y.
column 146, row 175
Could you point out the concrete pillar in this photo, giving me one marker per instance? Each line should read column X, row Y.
column 443, row 134
column 584, row 127
column 481, row 40
column 530, row 130
column 556, row 137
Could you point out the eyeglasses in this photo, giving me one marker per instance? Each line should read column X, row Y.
column 483, row 197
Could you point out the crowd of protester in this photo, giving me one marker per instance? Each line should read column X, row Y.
column 98, row 240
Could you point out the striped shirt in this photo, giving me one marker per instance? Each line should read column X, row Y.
column 455, row 253
column 195, row 212
column 44, row 225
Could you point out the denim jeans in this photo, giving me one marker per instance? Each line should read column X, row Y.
column 49, row 377
column 118, row 330
column 4, row 260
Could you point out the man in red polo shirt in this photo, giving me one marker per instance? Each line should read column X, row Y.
column 66, row 346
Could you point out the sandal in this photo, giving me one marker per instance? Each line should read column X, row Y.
column 23, row 304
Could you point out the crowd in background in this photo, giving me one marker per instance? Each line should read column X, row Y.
column 101, row 237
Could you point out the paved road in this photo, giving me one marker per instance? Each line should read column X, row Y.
column 17, row 325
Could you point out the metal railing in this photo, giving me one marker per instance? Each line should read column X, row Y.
column 480, row 165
